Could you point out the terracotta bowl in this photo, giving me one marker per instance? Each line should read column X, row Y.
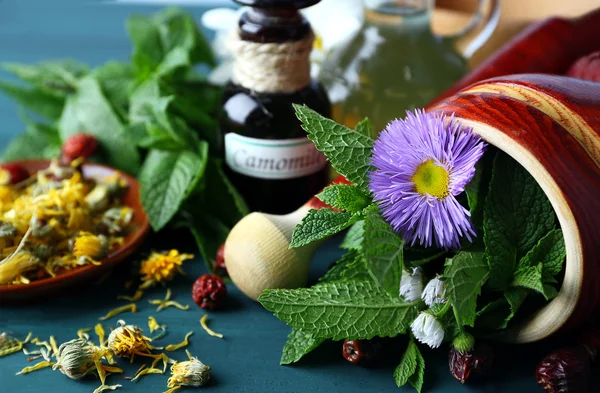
column 20, row 293
column 551, row 126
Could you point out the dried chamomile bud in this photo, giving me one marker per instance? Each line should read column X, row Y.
column 7, row 230
column 75, row 359
column 15, row 265
column 10, row 344
column 117, row 218
column 41, row 251
column 128, row 341
column 188, row 373
column 98, row 198
column 87, row 246
column 39, row 226
column 56, row 171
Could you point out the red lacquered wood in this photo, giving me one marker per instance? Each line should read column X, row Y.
column 21, row 293
column 547, row 47
column 541, row 134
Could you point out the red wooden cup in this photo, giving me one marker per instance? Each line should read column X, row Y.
column 551, row 126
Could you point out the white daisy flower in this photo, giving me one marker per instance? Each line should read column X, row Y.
column 411, row 284
column 434, row 292
column 428, row 330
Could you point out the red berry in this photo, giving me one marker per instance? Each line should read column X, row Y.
column 219, row 264
column 587, row 67
column 79, row 145
column 12, row 174
column 478, row 360
column 566, row 370
column 362, row 352
column 209, row 291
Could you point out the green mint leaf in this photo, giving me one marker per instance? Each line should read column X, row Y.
column 364, row 127
column 166, row 44
column 57, row 77
column 477, row 189
column 464, row 276
column 116, row 81
column 39, row 101
column 550, row 251
column 351, row 266
column 517, row 215
column 383, row 251
column 529, row 277
column 341, row 310
column 348, row 151
column 416, row 380
column 166, row 179
column 354, row 236
column 345, row 197
column 34, row 143
column 88, row 111
column 411, row 368
column 515, row 298
column 319, row 224
column 208, row 230
column 408, row 364
column 299, row 343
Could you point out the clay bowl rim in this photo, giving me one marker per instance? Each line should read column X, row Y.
column 550, row 318
column 132, row 241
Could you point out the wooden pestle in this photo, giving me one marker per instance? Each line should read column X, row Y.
column 258, row 254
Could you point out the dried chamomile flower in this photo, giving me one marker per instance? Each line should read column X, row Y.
column 116, row 219
column 102, row 194
column 88, row 247
column 75, row 358
column 127, row 341
column 10, row 344
column 161, row 267
column 15, row 264
column 188, row 373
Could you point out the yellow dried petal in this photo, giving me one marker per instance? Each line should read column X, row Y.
column 208, row 330
column 53, row 345
column 116, row 311
column 36, row 367
column 102, row 388
column 152, row 324
column 99, row 330
column 81, row 333
column 184, row 343
column 146, row 372
column 137, row 296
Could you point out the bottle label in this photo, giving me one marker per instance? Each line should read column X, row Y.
column 272, row 159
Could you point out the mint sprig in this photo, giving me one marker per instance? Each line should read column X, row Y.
column 319, row 224
column 299, row 343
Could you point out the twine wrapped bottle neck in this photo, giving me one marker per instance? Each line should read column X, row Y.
column 272, row 67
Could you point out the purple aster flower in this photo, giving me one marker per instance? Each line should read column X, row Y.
column 421, row 164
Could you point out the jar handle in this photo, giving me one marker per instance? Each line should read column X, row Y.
column 489, row 23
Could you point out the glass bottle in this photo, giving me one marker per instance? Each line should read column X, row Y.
column 267, row 154
column 396, row 62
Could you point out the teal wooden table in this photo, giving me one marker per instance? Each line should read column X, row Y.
column 247, row 359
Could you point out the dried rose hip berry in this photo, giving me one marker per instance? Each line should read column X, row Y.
column 78, row 145
column 219, row 264
column 478, row 360
column 209, row 291
column 566, row 370
column 362, row 352
column 12, row 174
column 587, row 67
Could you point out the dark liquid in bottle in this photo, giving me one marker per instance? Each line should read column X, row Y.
column 272, row 117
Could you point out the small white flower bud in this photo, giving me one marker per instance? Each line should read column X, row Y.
column 434, row 293
column 411, row 284
column 428, row 330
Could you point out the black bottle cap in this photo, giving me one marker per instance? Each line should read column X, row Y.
column 278, row 4
column 274, row 20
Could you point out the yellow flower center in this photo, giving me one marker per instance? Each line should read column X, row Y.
column 431, row 179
